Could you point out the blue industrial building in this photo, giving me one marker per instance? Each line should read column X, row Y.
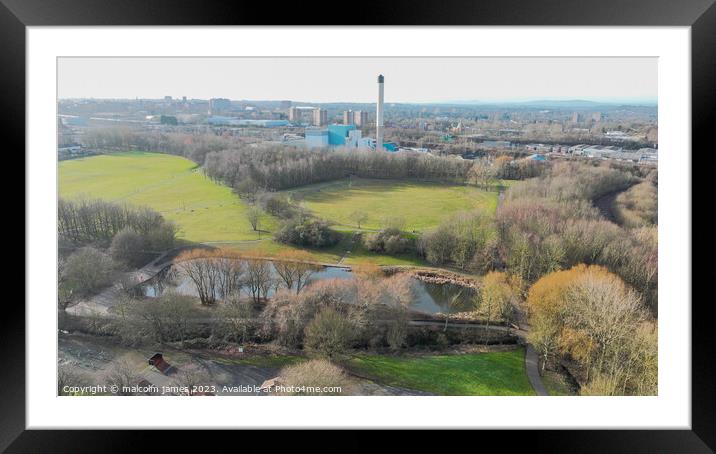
column 337, row 134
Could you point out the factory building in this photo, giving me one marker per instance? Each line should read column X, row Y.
column 345, row 136
column 218, row 120
column 316, row 137
column 337, row 134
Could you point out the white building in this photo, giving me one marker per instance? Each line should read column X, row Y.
column 316, row 137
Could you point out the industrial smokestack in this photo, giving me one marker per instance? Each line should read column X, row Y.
column 379, row 117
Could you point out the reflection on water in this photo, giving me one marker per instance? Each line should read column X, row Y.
column 432, row 298
column 428, row 297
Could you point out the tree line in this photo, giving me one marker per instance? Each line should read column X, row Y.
column 96, row 222
column 547, row 224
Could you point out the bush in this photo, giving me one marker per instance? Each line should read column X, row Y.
column 329, row 333
column 389, row 241
column 397, row 334
column 129, row 248
column 277, row 205
column 316, row 373
column 161, row 237
column 467, row 240
column 86, row 272
column 307, row 232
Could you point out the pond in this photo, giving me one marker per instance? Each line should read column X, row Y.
column 429, row 298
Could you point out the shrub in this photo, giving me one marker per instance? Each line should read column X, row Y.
column 397, row 334
column 389, row 241
column 318, row 374
column 307, row 232
column 129, row 248
column 329, row 333
column 86, row 272
column 277, row 205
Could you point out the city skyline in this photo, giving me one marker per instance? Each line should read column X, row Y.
column 415, row 80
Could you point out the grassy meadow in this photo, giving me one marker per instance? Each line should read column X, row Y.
column 203, row 210
column 474, row 374
column 209, row 212
column 422, row 205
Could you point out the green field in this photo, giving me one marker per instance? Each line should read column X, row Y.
column 209, row 212
column 478, row 374
column 421, row 205
column 203, row 210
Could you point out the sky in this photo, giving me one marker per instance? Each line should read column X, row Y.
column 353, row 79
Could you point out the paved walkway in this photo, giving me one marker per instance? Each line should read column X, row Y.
column 532, row 366
column 531, row 357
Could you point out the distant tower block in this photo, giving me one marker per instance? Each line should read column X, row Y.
column 379, row 116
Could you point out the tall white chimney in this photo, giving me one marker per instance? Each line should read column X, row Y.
column 379, row 117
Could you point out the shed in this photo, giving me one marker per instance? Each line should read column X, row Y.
column 157, row 360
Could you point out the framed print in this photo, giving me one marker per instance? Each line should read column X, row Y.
column 439, row 216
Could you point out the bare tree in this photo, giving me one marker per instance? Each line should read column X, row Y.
column 253, row 214
column 359, row 217
column 193, row 377
column 230, row 279
column 201, row 267
column 258, row 278
column 123, row 375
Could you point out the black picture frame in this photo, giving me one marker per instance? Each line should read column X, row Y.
column 700, row 15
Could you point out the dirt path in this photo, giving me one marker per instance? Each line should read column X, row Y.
column 355, row 237
column 605, row 204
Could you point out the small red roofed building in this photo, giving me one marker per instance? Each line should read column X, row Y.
column 157, row 360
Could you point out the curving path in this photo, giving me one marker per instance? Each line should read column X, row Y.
column 532, row 368
column 531, row 357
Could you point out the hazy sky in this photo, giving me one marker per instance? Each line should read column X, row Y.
column 353, row 79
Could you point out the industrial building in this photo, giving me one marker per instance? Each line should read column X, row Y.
column 316, row 137
column 217, row 120
column 594, row 151
column 337, row 136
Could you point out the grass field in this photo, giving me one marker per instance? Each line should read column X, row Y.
column 208, row 212
column 421, row 205
column 478, row 374
column 204, row 210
